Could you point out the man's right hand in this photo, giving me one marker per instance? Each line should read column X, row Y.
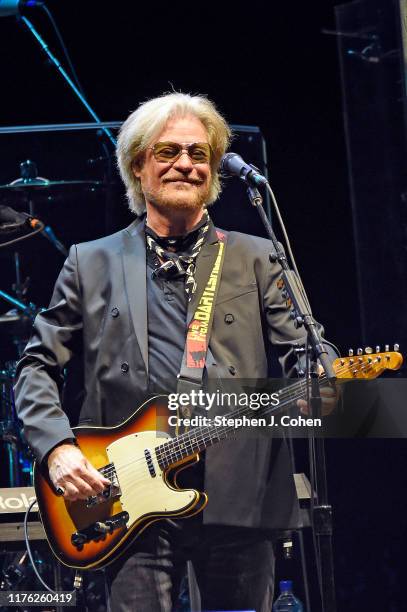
column 74, row 474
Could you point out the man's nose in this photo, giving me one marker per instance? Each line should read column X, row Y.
column 184, row 163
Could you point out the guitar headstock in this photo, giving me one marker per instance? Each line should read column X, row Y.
column 367, row 364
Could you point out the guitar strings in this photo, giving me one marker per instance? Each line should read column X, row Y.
column 186, row 438
column 141, row 489
column 201, row 435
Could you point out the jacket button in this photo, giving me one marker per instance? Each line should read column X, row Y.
column 229, row 318
column 124, row 367
column 114, row 312
column 232, row 370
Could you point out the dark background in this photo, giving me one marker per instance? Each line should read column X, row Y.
column 266, row 64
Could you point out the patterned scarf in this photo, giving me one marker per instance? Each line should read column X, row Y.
column 174, row 264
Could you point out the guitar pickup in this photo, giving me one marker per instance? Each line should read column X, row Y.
column 99, row 529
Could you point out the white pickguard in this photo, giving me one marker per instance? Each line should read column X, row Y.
column 141, row 493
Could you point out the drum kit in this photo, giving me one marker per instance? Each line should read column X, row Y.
column 15, row 324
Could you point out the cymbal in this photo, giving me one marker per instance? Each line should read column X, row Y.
column 10, row 318
column 49, row 187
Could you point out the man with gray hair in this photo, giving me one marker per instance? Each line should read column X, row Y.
column 123, row 303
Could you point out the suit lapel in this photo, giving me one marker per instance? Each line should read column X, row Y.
column 134, row 266
column 205, row 262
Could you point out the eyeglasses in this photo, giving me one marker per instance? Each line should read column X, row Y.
column 169, row 152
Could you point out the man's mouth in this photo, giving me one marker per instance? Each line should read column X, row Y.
column 181, row 180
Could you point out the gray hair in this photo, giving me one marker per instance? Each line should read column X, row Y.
column 146, row 123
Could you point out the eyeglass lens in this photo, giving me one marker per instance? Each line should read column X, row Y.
column 199, row 152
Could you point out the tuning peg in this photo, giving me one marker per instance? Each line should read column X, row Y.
column 377, row 348
column 386, row 348
column 396, row 347
column 360, row 351
column 368, row 350
column 350, row 353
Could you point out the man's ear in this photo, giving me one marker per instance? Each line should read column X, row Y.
column 136, row 166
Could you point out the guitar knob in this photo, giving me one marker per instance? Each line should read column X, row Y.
column 368, row 350
column 78, row 539
column 350, row 353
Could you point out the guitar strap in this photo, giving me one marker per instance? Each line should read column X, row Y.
column 199, row 329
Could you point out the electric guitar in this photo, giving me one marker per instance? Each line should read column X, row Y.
column 142, row 462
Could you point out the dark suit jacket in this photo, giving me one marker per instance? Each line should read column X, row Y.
column 99, row 310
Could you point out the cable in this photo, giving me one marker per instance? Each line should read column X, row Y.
column 66, row 53
column 63, row 46
column 30, row 555
column 30, row 235
column 287, row 241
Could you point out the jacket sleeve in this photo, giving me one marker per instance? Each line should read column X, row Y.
column 281, row 330
column 56, row 336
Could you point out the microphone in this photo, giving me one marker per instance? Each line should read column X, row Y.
column 12, row 7
column 11, row 220
column 233, row 165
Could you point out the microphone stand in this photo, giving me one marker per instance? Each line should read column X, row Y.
column 58, row 66
column 321, row 511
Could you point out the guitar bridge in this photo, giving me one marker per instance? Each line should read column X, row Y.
column 113, row 490
column 108, row 493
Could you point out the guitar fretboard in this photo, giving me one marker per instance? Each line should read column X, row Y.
column 199, row 438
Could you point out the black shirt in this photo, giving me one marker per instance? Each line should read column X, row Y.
column 167, row 306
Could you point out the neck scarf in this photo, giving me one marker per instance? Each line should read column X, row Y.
column 172, row 263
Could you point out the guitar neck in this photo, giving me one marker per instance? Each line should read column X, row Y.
column 199, row 438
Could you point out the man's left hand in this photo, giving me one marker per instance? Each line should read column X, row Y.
column 329, row 401
column 329, row 398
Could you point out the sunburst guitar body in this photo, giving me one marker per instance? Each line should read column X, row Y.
column 142, row 460
column 79, row 532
